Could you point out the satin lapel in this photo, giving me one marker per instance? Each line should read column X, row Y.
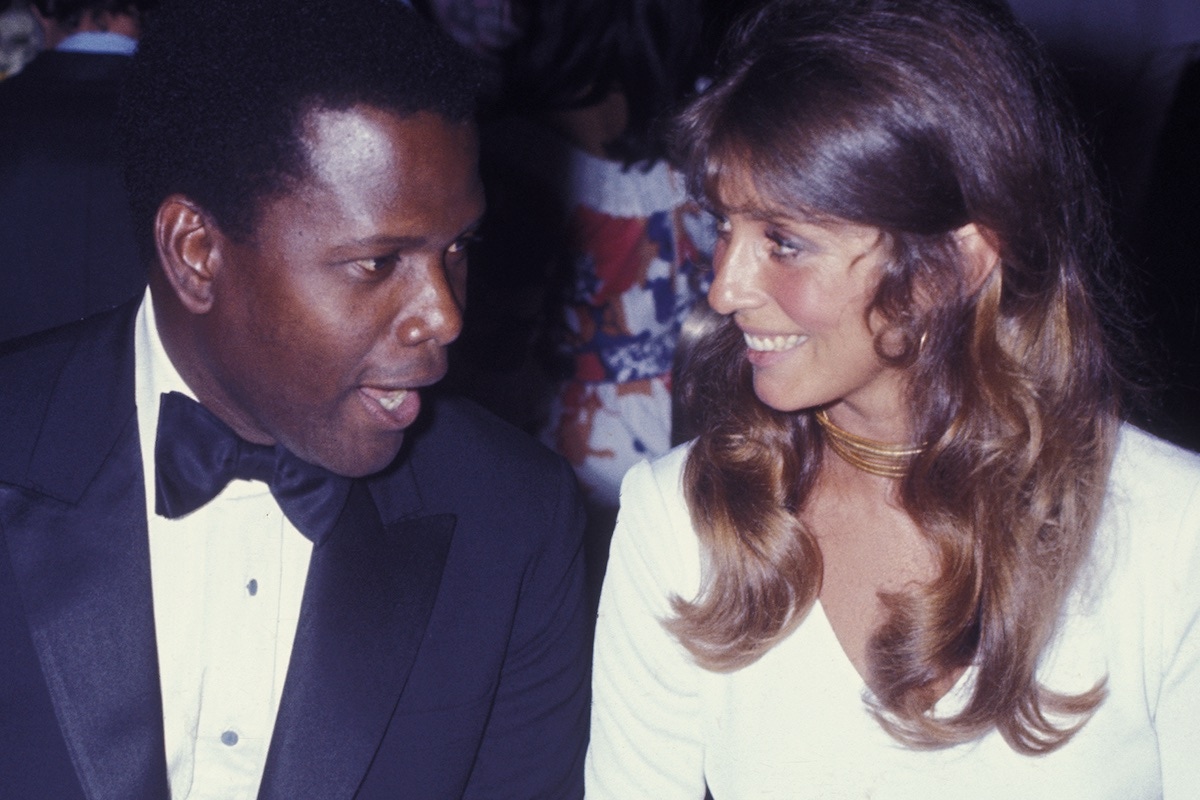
column 368, row 599
column 81, row 558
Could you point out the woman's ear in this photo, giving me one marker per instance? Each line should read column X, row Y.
column 186, row 239
column 980, row 255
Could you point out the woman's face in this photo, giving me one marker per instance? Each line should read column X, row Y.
column 799, row 288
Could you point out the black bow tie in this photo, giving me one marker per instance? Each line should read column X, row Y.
column 196, row 455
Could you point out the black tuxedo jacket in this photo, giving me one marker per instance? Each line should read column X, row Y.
column 67, row 246
column 442, row 649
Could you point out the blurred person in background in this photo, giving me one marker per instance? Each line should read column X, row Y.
column 66, row 241
column 592, row 254
column 20, row 37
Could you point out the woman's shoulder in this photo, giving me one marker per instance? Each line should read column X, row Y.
column 654, row 527
column 669, row 466
column 658, row 484
column 1147, row 470
column 1149, row 581
column 1151, row 520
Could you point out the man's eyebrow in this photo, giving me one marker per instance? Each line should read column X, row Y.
column 473, row 226
column 378, row 242
column 396, row 243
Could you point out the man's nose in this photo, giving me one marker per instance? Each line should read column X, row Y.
column 433, row 310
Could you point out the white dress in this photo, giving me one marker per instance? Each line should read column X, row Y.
column 793, row 724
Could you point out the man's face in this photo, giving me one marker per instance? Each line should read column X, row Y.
column 341, row 306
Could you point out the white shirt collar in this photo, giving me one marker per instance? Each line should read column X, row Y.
column 154, row 376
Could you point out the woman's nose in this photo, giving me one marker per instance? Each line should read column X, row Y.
column 735, row 275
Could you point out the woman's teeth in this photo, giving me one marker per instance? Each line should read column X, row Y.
column 773, row 344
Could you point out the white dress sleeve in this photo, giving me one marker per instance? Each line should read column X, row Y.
column 1177, row 716
column 646, row 739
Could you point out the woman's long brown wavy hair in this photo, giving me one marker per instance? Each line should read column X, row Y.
column 917, row 117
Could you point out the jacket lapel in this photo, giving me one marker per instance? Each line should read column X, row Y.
column 367, row 601
column 77, row 538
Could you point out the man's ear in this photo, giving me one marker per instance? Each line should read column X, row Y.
column 187, row 241
column 980, row 255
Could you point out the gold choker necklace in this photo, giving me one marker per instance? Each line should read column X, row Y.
column 885, row 460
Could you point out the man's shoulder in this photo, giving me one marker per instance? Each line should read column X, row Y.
column 466, row 461
column 84, row 367
column 462, row 434
column 29, row 370
column 45, row 351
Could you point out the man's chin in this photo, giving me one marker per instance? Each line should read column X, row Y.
column 362, row 462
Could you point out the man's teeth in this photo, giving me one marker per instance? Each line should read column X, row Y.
column 392, row 400
column 773, row 344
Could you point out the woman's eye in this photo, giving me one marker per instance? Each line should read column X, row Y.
column 724, row 226
column 782, row 246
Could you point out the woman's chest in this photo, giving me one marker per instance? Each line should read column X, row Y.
column 795, row 725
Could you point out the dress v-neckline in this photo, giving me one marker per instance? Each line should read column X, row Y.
column 951, row 702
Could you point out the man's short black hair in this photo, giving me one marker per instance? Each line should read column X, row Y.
column 219, row 90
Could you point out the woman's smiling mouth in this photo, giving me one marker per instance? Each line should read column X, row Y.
column 773, row 344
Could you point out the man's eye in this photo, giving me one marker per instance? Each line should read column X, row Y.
column 461, row 244
column 376, row 264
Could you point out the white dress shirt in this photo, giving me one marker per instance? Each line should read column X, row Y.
column 228, row 581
